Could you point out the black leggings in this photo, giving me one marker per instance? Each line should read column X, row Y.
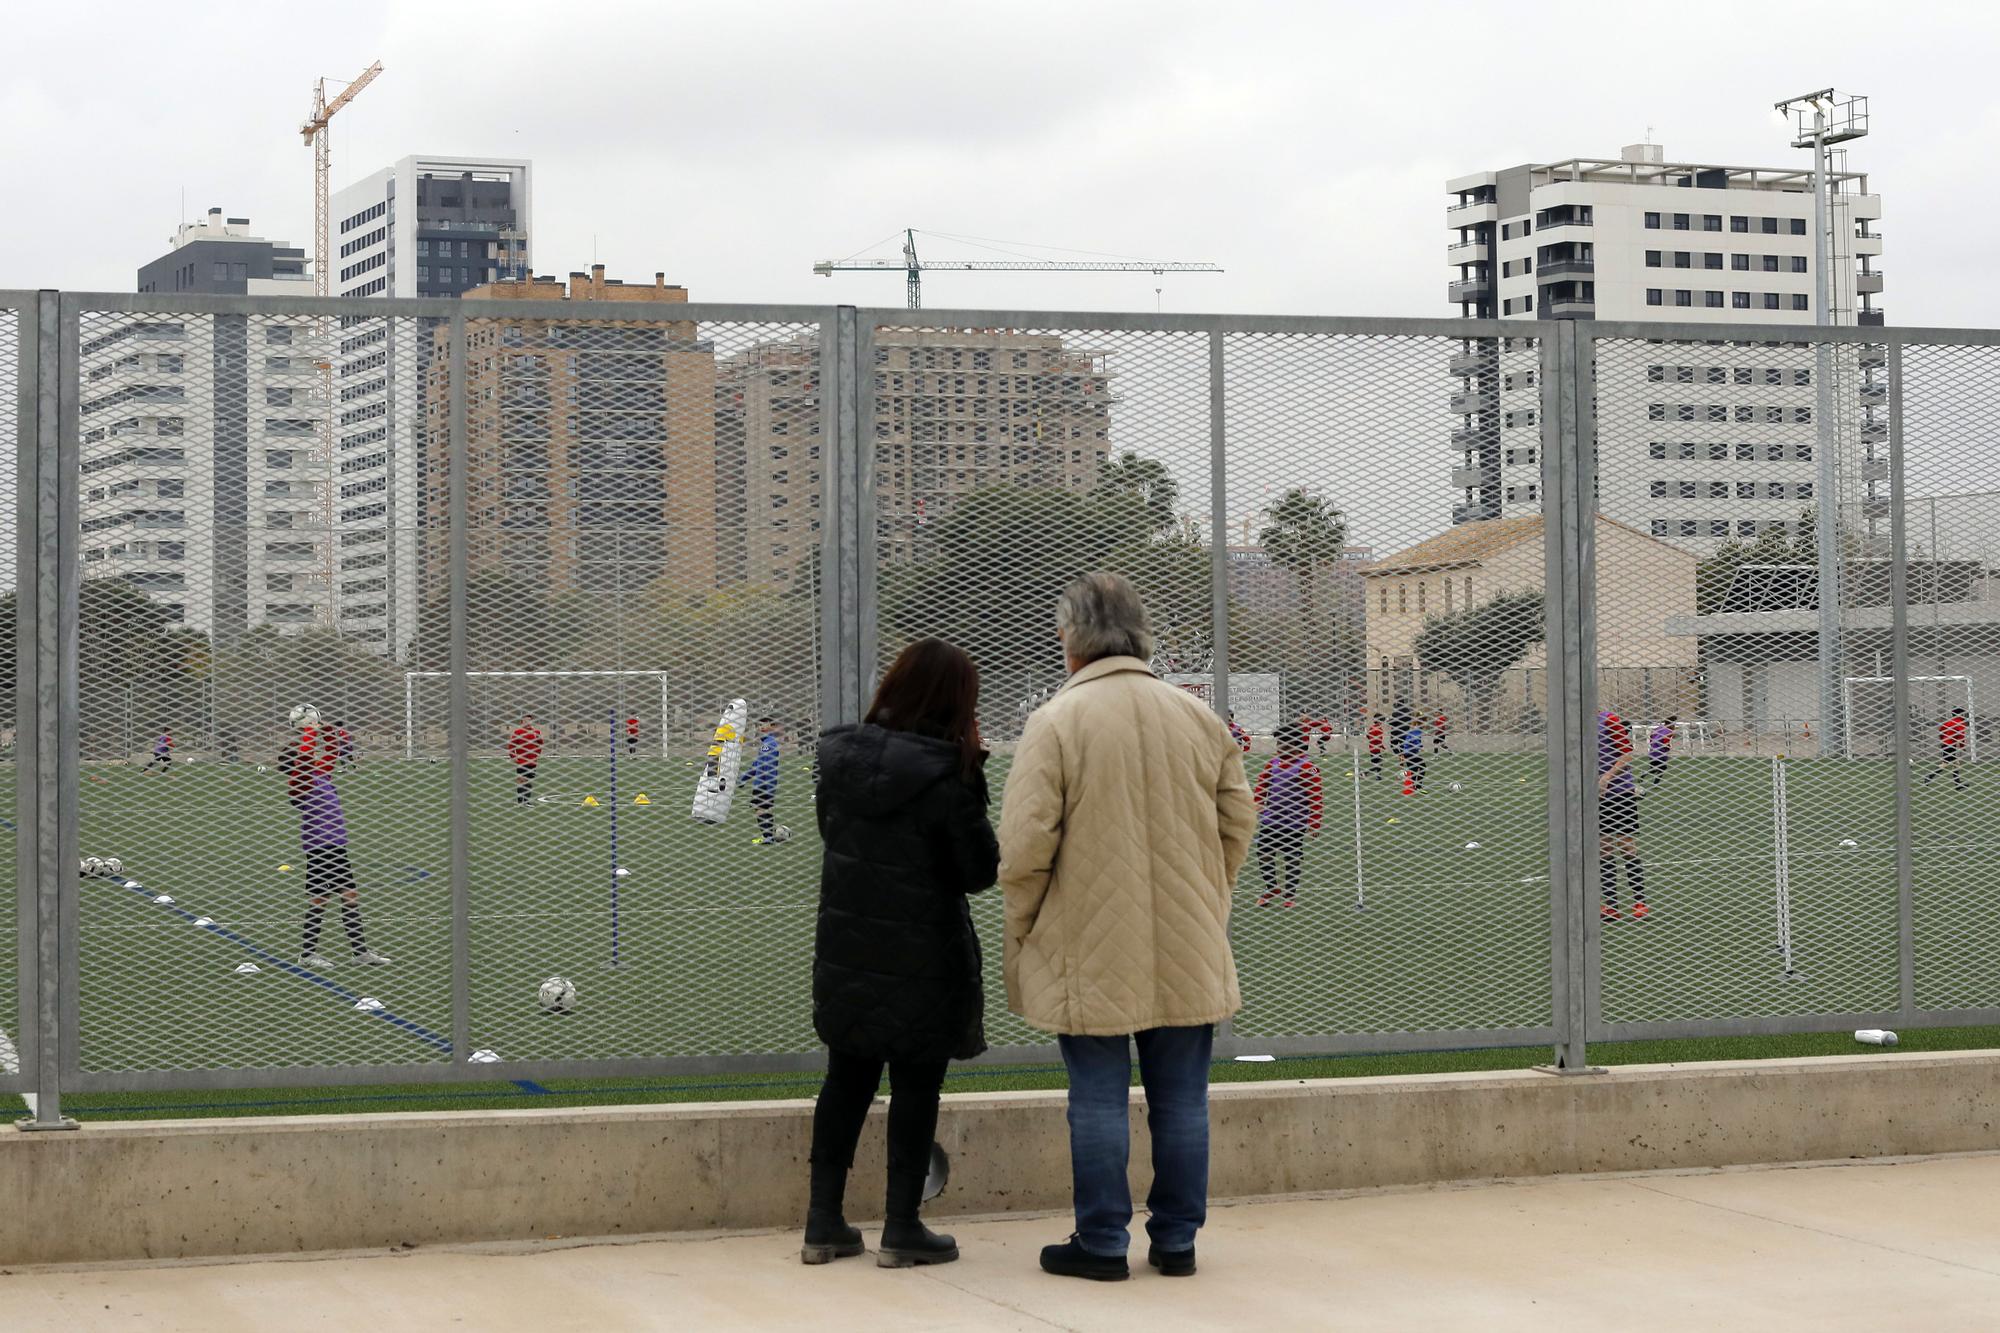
column 1281, row 852
column 851, row 1081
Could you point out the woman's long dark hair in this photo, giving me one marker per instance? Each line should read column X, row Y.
column 932, row 688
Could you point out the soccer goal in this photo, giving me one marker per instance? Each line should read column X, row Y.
column 1870, row 706
column 570, row 707
column 1690, row 735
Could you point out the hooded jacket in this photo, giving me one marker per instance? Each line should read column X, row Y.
column 896, row 962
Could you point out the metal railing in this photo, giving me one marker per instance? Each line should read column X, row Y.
column 739, row 511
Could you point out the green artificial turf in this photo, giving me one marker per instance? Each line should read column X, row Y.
column 713, row 935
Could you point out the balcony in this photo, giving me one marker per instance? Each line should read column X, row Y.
column 1874, row 469
column 1472, row 400
column 1469, row 215
column 1875, row 432
column 1555, row 268
column 1474, row 512
column 1869, row 283
column 1471, row 252
column 1874, row 393
column 1870, row 244
column 1472, row 363
column 1470, row 289
column 1869, row 319
column 1874, row 358
column 1467, row 478
column 1567, row 307
column 1461, row 440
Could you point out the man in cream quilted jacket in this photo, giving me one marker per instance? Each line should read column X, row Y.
column 1126, row 818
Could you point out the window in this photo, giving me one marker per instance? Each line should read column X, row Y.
column 423, row 249
column 1798, row 301
column 1659, row 527
column 1684, row 374
column 1773, row 415
column 1385, row 599
column 1688, row 527
column 1657, row 450
column 1711, row 222
column 1684, row 297
column 1740, row 263
column 1739, row 224
column 1802, row 452
column 1717, row 412
column 1746, row 527
column 1774, row 490
column 1684, row 412
column 1745, row 414
column 1718, row 453
column 423, row 273
column 1802, row 415
column 1770, row 300
column 220, row 271
column 1652, row 221
column 1653, row 296
column 1798, row 263
column 1768, row 226
column 1718, row 490
column 277, row 333
column 1746, row 490
column 1802, row 377
column 1744, row 375
column 1652, row 259
column 1746, row 453
column 1656, row 411
column 1739, row 300
column 1656, row 374
column 1468, row 590
column 1659, row 490
column 1683, row 259
column 1402, row 597
column 1680, row 222
column 1798, row 226
column 1712, row 260
column 1423, row 588
column 1712, row 300
column 1770, row 263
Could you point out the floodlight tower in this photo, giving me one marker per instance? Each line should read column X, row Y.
column 1819, row 119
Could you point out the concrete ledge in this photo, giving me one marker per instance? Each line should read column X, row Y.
column 191, row 1188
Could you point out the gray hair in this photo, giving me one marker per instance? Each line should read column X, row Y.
column 1100, row 615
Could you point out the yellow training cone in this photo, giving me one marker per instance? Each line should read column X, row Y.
column 590, row 801
column 640, row 799
column 284, row 867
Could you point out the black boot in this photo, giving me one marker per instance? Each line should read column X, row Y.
column 828, row 1237
column 906, row 1241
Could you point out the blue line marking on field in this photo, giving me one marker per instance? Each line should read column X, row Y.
column 7, row 824
column 415, row 872
column 327, row 984
column 529, row 1085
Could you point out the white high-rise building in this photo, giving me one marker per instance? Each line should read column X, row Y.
column 1728, row 433
column 199, row 444
column 429, row 226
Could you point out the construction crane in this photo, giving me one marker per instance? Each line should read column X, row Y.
column 913, row 268
column 314, row 132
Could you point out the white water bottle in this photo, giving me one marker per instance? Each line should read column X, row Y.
column 1875, row 1037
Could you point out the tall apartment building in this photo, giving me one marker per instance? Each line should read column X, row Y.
column 590, row 444
column 425, row 227
column 955, row 410
column 199, row 442
column 1729, row 432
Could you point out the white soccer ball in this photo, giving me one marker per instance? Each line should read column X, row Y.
column 782, row 832
column 113, row 866
column 304, row 716
column 557, row 996
column 93, row 865
column 621, row 872
column 1458, row 786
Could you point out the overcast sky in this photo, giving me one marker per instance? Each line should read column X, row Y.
column 1304, row 146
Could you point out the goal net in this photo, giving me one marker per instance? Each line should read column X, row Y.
column 1870, row 703
column 577, row 711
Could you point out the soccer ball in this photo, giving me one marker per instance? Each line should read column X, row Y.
column 304, row 716
column 1458, row 786
column 113, row 866
column 782, row 832
column 557, row 996
column 93, row 866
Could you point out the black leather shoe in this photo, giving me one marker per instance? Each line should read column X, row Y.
column 1171, row 1263
column 828, row 1237
column 1070, row 1259
column 908, row 1242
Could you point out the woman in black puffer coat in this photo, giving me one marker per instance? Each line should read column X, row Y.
column 896, row 965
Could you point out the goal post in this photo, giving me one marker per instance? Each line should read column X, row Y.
column 564, row 701
column 1869, row 706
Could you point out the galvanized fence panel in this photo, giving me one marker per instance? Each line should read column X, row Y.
column 1948, row 501
column 17, row 398
column 1746, row 845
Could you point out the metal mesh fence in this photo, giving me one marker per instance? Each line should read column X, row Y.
column 1746, row 860
column 15, row 1016
column 432, row 717
column 1950, row 509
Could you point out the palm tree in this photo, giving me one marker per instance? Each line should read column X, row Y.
column 1146, row 480
column 1304, row 532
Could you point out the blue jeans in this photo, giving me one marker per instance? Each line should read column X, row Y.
column 1173, row 1065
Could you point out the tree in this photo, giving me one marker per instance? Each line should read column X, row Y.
column 133, row 675
column 510, row 625
column 1480, row 644
column 1305, row 534
column 1146, row 480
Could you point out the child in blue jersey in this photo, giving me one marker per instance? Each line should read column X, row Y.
column 1411, row 745
column 762, row 780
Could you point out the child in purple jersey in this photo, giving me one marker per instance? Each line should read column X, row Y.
column 1617, row 818
column 308, row 771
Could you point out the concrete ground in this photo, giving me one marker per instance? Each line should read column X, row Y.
column 1907, row 1244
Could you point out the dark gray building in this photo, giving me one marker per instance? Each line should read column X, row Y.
column 219, row 256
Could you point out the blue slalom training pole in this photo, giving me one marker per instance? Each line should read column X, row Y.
column 614, row 839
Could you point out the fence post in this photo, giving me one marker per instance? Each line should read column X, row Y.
column 46, row 637
column 1899, row 696
column 458, row 740
column 847, row 594
column 1568, row 491
column 1218, row 522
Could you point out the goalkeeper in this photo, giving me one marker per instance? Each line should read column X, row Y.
column 308, row 771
